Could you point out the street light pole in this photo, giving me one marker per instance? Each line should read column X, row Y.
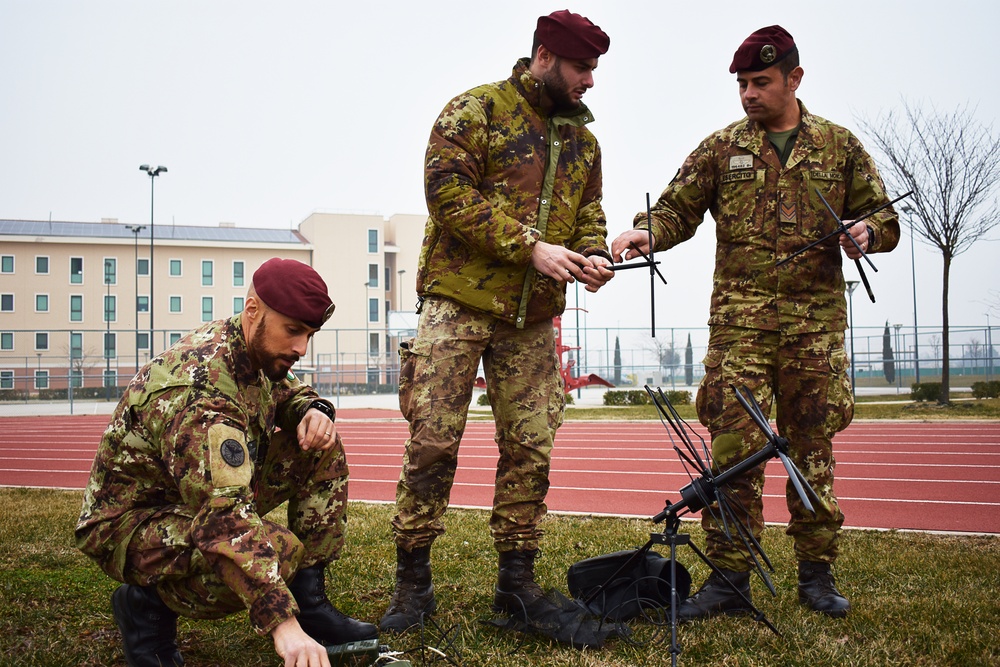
column 913, row 275
column 899, row 351
column 135, row 229
column 851, row 284
column 153, row 173
column 399, row 287
column 989, row 349
column 368, row 350
column 107, row 327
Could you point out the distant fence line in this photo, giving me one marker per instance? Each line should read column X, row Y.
column 339, row 364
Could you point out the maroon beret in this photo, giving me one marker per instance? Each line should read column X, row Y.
column 570, row 35
column 762, row 49
column 293, row 289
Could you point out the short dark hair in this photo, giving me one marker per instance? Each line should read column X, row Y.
column 788, row 63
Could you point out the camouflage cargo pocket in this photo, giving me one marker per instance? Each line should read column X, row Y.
column 413, row 354
column 710, row 399
column 840, row 395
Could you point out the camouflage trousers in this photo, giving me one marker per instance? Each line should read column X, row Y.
column 161, row 550
column 437, row 374
column 805, row 377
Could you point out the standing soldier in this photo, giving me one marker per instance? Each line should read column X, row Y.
column 190, row 464
column 779, row 331
column 513, row 186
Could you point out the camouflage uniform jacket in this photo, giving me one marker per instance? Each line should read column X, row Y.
column 185, row 438
column 765, row 211
column 502, row 173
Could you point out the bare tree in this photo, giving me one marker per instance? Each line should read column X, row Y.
column 935, row 343
column 666, row 356
column 949, row 161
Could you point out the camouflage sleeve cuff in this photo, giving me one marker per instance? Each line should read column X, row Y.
column 271, row 609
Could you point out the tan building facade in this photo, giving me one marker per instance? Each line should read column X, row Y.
column 75, row 300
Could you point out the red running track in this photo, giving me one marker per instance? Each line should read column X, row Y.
column 904, row 475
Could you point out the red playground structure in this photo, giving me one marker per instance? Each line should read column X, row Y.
column 565, row 368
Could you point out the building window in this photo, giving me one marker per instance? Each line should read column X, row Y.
column 41, row 340
column 207, row 267
column 110, row 308
column 373, row 275
column 142, row 340
column 238, row 303
column 6, row 379
column 110, row 271
column 238, row 274
column 373, row 240
column 42, row 265
column 206, row 309
column 76, row 308
column 41, row 303
column 6, row 263
column 7, row 303
column 110, row 378
column 142, row 267
column 110, row 345
column 76, row 378
column 142, row 303
column 75, row 345
column 373, row 345
column 175, row 268
column 76, row 270
column 373, row 310
column 41, row 379
column 388, row 279
column 175, row 336
column 7, row 340
column 175, row 304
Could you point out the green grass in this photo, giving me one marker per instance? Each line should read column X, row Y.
column 919, row 599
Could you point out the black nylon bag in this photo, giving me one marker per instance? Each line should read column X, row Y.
column 643, row 585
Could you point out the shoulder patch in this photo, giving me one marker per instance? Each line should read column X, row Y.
column 229, row 462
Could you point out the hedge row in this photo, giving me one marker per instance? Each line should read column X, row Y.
column 989, row 389
column 641, row 397
column 925, row 391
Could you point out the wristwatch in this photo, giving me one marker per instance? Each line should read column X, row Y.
column 324, row 408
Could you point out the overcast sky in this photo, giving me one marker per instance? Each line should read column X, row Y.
column 265, row 112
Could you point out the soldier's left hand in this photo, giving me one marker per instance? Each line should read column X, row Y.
column 860, row 234
column 316, row 431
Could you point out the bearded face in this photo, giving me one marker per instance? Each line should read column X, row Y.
column 274, row 347
column 567, row 81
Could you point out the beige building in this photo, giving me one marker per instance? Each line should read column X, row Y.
column 75, row 298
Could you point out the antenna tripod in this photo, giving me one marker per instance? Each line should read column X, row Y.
column 709, row 491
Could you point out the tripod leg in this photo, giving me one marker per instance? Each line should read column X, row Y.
column 758, row 614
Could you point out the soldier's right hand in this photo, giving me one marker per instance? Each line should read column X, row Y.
column 629, row 244
column 296, row 647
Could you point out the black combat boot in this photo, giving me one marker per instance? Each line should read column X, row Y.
column 531, row 610
column 516, row 588
column 148, row 627
column 717, row 597
column 818, row 592
column 318, row 617
column 413, row 597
